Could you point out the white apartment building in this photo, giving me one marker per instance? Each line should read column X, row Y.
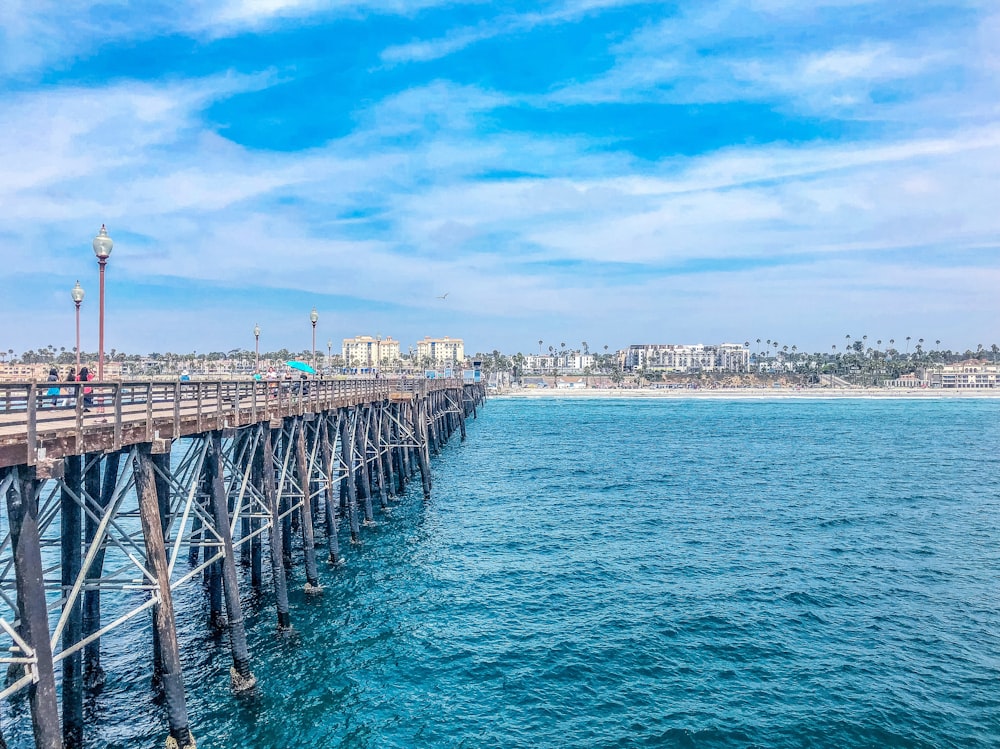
column 965, row 375
column 724, row 357
column 365, row 351
column 571, row 361
column 442, row 351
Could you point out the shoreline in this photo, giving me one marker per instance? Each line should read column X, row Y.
column 751, row 393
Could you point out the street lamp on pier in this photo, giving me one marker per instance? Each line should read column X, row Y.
column 329, row 354
column 256, row 347
column 102, row 248
column 314, row 318
column 77, row 294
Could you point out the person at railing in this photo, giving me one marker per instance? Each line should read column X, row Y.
column 66, row 400
column 53, row 392
column 272, row 380
column 88, row 392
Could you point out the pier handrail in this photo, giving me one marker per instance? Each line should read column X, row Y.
column 33, row 416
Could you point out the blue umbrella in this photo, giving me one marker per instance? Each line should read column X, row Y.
column 301, row 366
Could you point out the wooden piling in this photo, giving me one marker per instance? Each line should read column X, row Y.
column 241, row 678
column 330, row 511
column 347, row 448
column 93, row 672
column 70, row 540
column 308, row 537
column 277, row 554
column 156, row 558
column 22, row 514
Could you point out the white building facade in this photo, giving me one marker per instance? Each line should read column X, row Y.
column 724, row 357
column 441, row 351
column 366, row 351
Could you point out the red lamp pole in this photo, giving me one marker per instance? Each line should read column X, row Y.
column 77, row 294
column 102, row 248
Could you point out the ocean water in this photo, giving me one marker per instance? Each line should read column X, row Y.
column 661, row 573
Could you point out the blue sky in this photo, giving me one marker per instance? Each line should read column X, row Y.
column 602, row 170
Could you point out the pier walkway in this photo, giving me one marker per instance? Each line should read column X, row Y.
column 122, row 488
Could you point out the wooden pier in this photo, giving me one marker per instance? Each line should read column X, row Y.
column 132, row 489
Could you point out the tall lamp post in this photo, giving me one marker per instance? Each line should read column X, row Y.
column 329, row 355
column 314, row 318
column 102, row 248
column 256, row 347
column 77, row 294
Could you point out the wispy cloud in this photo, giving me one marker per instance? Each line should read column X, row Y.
column 531, row 205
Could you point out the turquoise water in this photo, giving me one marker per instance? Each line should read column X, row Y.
column 639, row 574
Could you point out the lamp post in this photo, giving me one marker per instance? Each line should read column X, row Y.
column 329, row 354
column 102, row 248
column 77, row 294
column 256, row 347
column 314, row 318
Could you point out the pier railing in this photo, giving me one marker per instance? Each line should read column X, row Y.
column 37, row 418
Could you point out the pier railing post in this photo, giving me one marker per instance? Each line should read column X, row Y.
column 156, row 559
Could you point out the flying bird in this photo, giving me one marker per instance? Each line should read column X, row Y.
column 444, row 295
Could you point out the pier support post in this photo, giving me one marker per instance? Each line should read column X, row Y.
column 332, row 545
column 156, row 558
column 347, row 455
column 277, row 552
column 22, row 514
column 70, row 539
column 257, row 479
column 308, row 537
column 242, row 679
column 161, row 463
column 93, row 673
column 362, row 480
column 423, row 457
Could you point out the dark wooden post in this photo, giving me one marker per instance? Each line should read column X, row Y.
column 423, row 456
column 22, row 514
column 161, row 462
column 347, row 455
column 93, row 673
column 361, row 438
column 308, row 537
column 330, row 510
column 70, row 539
column 277, row 553
column 241, row 678
column 257, row 479
column 156, row 559
column 376, row 436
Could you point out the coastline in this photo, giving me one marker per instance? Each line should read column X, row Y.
column 751, row 393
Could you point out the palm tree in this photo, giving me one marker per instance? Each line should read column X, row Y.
column 907, row 345
column 539, row 346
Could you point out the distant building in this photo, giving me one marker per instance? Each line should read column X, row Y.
column 965, row 375
column 17, row 372
column 725, row 357
column 571, row 361
column 365, row 351
column 441, row 351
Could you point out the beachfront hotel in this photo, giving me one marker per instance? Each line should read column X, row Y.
column 441, row 351
column 365, row 351
column 725, row 357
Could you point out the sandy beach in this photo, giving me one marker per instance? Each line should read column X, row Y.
column 747, row 393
